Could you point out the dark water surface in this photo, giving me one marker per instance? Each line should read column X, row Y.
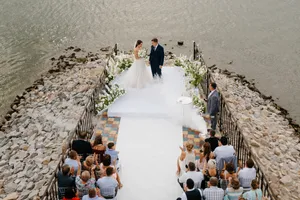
column 262, row 37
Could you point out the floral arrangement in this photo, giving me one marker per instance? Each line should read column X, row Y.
column 143, row 53
column 194, row 72
column 116, row 66
column 199, row 104
column 109, row 96
column 113, row 91
column 124, row 64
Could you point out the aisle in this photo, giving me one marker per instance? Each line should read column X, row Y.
column 159, row 100
column 148, row 152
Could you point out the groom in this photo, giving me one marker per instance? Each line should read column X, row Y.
column 156, row 58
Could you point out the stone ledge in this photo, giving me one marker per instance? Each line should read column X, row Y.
column 265, row 127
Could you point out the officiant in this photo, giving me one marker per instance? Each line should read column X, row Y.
column 213, row 104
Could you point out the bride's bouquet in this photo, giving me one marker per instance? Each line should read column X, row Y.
column 143, row 53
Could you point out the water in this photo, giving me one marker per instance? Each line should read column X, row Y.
column 261, row 37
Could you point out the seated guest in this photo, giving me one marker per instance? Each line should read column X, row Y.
column 224, row 154
column 88, row 164
column 210, row 170
column 98, row 144
column 213, row 192
column 226, row 175
column 99, row 148
column 70, row 195
column 254, row 193
column 233, row 191
column 108, row 184
column 107, row 163
column 247, row 174
column 81, row 146
column 94, row 194
column 65, row 181
column 72, row 160
column 84, row 181
column 112, row 152
column 205, row 155
column 190, row 192
column 64, row 178
column 197, row 177
column 190, row 153
column 212, row 140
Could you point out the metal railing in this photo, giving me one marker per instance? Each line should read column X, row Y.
column 85, row 124
column 228, row 126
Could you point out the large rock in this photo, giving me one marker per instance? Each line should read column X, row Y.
column 12, row 196
column 286, row 180
column 10, row 187
column 30, row 186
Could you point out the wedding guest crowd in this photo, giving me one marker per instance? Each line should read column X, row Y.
column 89, row 171
column 216, row 175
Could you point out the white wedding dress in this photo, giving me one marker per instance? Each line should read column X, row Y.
column 137, row 76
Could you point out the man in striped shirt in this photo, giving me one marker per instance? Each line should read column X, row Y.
column 213, row 192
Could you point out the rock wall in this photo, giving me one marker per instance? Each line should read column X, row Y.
column 41, row 119
column 273, row 137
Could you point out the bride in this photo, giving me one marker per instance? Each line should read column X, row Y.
column 137, row 76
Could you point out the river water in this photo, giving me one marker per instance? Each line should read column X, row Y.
column 261, row 37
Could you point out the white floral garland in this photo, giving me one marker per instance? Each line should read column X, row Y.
column 113, row 91
column 109, row 96
column 194, row 74
column 117, row 65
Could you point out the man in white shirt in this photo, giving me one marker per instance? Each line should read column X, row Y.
column 191, row 192
column 72, row 161
column 247, row 174
column 223, row 151
column 108, row 185
column 197, row 177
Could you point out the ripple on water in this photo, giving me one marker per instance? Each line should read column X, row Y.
column 261, row 37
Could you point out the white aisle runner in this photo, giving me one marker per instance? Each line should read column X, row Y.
column 148, row 152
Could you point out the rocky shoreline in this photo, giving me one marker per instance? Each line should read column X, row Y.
column 267, row 128
column 33, row 132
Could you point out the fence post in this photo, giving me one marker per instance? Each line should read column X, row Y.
column 116, row 49
column 207, row 83
column 194, row 50
column 220, row 112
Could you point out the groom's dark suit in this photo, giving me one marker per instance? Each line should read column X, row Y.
column 156, row 59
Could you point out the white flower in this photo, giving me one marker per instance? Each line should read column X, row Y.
column 142, row 53
column 107, row 98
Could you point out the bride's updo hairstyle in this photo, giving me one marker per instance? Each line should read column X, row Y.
column 138, row 43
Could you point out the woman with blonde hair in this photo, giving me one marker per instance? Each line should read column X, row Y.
column 190, row 153
column 209, row 170
column 88, row 164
